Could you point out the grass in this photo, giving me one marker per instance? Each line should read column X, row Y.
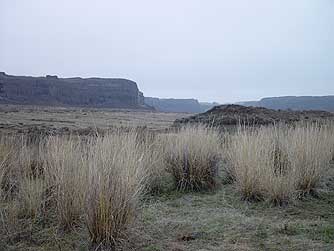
column 138, row 190
column 221, row 221
column 66, row 177
column 116, row 181
column 6, row 153
column 279, row 163
column 192, row 157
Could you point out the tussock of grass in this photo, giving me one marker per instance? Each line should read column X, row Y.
column 97, row 182
column 308, row 150
column 116, row 180
column 278, row 163
column 65, row 167
column 261, row 165
column 6, row 153
column 192, row 157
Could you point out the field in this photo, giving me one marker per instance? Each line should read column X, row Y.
column 22, row 118
column 196, row 188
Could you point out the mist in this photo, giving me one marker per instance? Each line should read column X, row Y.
column 223, row 51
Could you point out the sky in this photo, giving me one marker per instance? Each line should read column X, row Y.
column 212, row 50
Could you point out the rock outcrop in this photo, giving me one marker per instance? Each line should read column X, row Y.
column 232, row 115
column 325, row 103
column 178, row 105
column 81, row 92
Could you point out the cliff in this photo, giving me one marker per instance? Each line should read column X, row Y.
column 86, row 92
column 178, row 105
column 325, row 103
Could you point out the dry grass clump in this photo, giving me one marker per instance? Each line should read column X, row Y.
column 68, row 182
column 331, row 137
column 192, row 156
column 28, row 180
column 65, row 167
column 6, row 155
column 279, row 162
column 259, row 166
column 116, row 180
column 309, row 153
column 154, row 165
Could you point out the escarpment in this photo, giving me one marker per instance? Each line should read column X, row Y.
column 86, row 92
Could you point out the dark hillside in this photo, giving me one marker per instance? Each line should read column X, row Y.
column 230, row 115
column 81, row 92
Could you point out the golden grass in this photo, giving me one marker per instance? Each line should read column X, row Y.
column 116, row 181
column 97, row 182
column 5, row 155
column 65, row 167
column 192, row 157
column 279, row 163
column 309, row 154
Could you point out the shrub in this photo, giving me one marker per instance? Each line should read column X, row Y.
column 116, row 179
column 192, row 156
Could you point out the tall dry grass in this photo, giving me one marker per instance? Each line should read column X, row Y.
column 279, row 163
column 6, row 155
column 192, row 156
column 66, row 176
column 309, row 151
column 259, row 165
column 116, row 180
column 96, row 182
column 28, row 177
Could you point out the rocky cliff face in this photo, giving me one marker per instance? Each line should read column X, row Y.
column 178, row 105
column 88, row 92
column 234, row 115
column 325, row 103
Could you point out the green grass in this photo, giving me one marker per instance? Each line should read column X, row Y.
column 206, row 221
column 222, row 221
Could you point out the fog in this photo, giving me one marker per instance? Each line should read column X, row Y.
column 214, row 50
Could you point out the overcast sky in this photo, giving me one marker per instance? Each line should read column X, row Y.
column 212, row 50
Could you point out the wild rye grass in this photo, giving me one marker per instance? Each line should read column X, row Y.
column 116, row 180
column 279, row 163
column 6, row 155
column 192, row 157
column 97, row 182
column 94, row 182
column 65, row 172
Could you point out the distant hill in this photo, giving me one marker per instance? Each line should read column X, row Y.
column 81, row 92
column 325, row 103
column 232, row 115
column 178, row 105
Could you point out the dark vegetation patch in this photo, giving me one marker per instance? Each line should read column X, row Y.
column 232, row 115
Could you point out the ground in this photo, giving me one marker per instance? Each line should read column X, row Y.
column 21, row 118
column 223, row 221
column 218, row 220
